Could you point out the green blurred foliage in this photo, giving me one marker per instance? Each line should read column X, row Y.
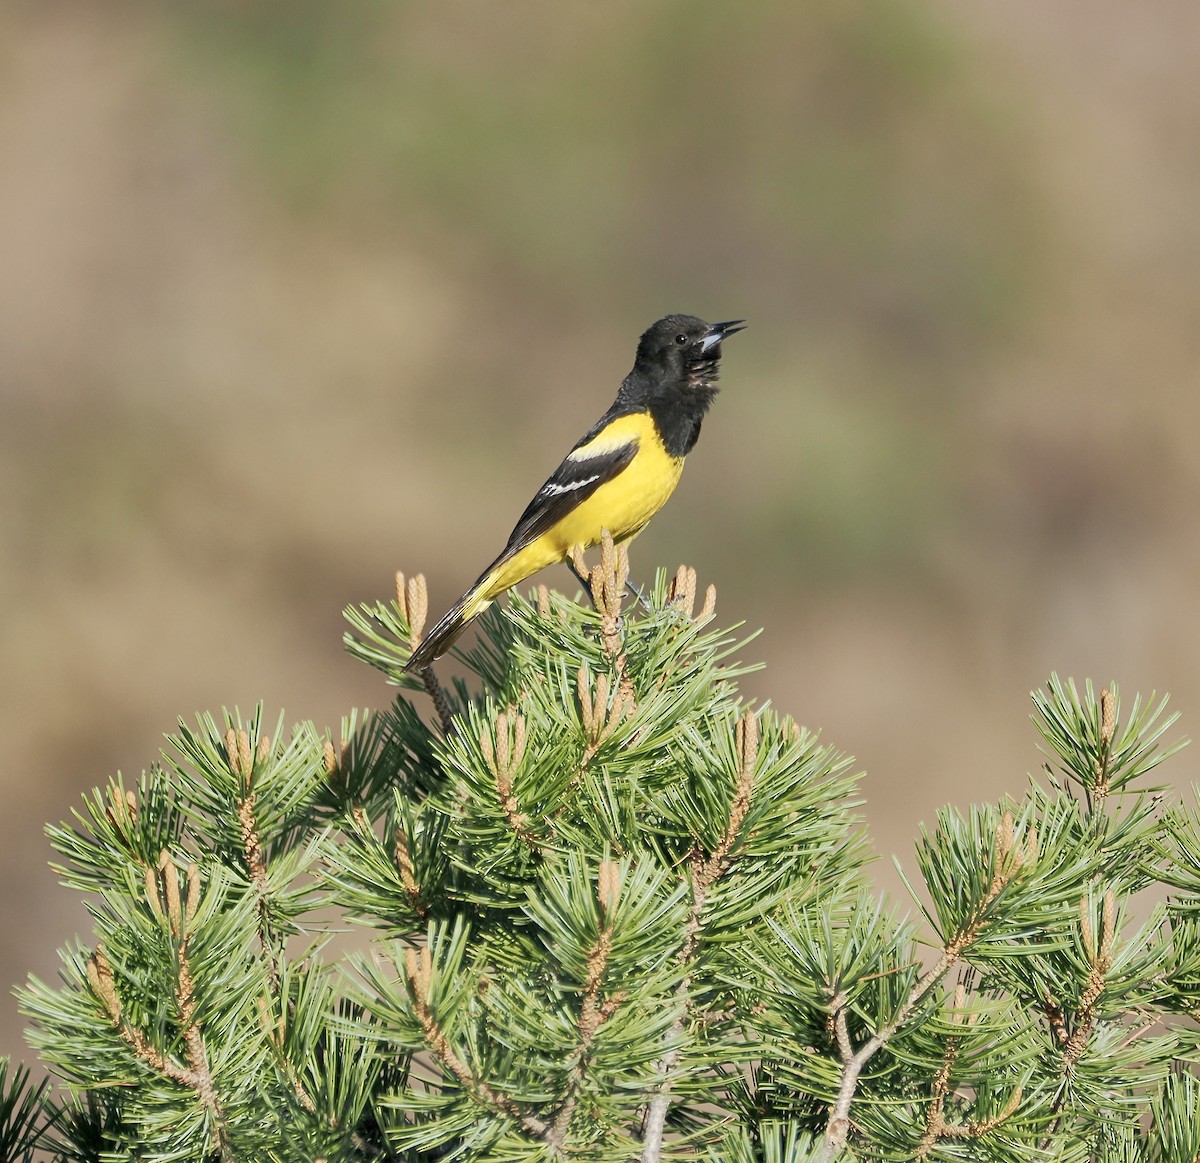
column 664, row 136
column 828, row 170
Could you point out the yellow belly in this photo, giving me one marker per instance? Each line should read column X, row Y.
column 622, row 506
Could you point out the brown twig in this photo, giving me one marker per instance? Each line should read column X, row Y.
column 441, row 703
column 412, row 600
column 503, row 758
column 1086, row 1014
column 176, row 912
column 1100, row 958
column 593, row 1012
column 1009, row 859
column 705, row 872
column 606, row 582
column 838, row 1126
column 935, row 1120
column 418, row 969
column 241, row 764
column 600, row 718
column 746, row 744
column 408, row 873
column 1100, row 962
column 936, row 1126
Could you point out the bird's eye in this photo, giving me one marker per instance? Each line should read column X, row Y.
column 681, row 339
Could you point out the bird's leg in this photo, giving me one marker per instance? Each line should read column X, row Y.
column 581, row 578
column 632, row 590
column 636, row 593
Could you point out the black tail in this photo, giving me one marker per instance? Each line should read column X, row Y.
column 453, row 623
column 440, row 638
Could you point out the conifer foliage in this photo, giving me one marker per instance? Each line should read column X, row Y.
column 606, row 910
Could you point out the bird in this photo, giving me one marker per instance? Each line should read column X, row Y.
column 616, row 477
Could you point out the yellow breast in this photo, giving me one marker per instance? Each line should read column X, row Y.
column 622, row 505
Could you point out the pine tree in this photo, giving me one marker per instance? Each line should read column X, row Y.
column 615, row 912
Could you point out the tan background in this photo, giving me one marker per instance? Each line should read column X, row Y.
column 287, row 290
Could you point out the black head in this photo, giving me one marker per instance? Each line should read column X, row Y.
column 683, row 349
column 673, row 377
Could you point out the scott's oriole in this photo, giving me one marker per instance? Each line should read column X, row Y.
column 617, row 477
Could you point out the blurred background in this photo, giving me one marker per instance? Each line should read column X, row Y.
column 288, row 290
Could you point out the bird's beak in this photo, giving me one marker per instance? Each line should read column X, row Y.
column 719, row 331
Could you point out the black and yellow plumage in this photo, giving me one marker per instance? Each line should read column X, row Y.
column 617, row 477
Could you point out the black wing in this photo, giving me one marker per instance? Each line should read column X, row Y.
column 576, row 479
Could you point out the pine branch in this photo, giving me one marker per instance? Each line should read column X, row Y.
column 408, row 874
column 616, row 900
column 600, row 716
column 237, row 749
column 936, row 1126
column 503, row 758
column 412, row 601
column 419, row 970
column 1009, row 860
column 177, row 913
column 593, row 1012
column 705, row 871
column 1100, row 957
column 606, row 582
column 1101, row 963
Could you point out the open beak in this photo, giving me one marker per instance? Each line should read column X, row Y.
column 719, row 331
